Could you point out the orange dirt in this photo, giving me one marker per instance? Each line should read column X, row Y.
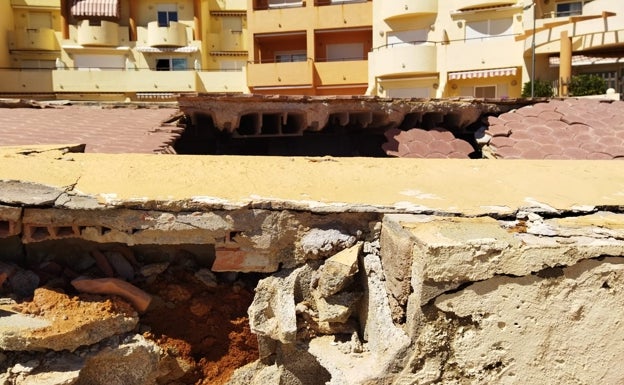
column 207, row 328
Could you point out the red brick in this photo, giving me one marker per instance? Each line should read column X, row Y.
column 232, row 259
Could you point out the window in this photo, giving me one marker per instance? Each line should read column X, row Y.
column 417, row 92
column 97, row 62
column 350, row 51
column 285, row 3
column 166, row 14
column 37, row 20
column 290, row 56
column 232, row 23
column 171, row 64
column 231, row 65
column 485, row 91
column 569, row 9
column 485, row 29
column 417, row 36
column 38, row 64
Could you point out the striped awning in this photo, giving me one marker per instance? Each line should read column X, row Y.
column 185, row 49
column 96, row 8
column 581, row 60
column 511, row 71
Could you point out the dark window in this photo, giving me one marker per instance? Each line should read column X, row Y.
column 569, row 9
column 166, row 17
column 163, row 65
column 171, row 64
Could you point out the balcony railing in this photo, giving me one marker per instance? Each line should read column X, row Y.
column 116, row 80
column 265, row 74
column 105, row 34
column 404, row 58
column 174, row 35
column 346, row 71
column 38, row 39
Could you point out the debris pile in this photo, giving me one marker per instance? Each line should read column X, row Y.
column 145, row 322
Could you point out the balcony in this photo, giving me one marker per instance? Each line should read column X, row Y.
column 175, row 35
column 404, row 59
column 279, row 74
column 405, row 8
column 341, row 72
column 470, row 4
column 23, row 80
column 124, row 81
column 344, row 15
column 107, row 34
column 35, row 3
column 39, row 39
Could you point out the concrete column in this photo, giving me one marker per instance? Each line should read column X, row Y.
column 197, row 20
column 64, row 19
column 132, row 21
column 565, row 63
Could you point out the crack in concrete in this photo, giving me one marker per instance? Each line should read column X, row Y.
column 545, row 273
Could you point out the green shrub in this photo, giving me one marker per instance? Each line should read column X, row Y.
column 542, row 89
column 585, row 84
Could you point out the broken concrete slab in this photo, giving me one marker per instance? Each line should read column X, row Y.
column 385, row 341
column 320, row 243
column 335, row 308
column 63, row 323
column 318, row 185
column 17, row 192
column 337, row 271
column 456, row 249
column 564, row 326
column 272, row 313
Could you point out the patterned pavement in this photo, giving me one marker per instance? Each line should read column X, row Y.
column 557, row 129
column 103, row 129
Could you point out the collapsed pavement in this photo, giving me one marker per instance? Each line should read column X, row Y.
column 366, row 271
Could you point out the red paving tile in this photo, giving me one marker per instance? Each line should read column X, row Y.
column 107, row 130
column 420, row 143
column 564, row 129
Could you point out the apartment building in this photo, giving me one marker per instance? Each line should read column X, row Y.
column 146, row 49
column 120, row 49
column 448, row 48
column 309, row 47
column 576, row 37
column 484, row 48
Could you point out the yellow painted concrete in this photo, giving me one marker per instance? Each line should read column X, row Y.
column 6, row 25
column 307, row 28
column 471, row 187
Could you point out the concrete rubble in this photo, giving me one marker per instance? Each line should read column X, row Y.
column 489, row 279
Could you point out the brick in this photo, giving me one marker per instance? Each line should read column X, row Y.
column 236, row 259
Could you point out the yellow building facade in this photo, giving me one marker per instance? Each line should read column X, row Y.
column 485, row 48
column 123, row 49
column 312, row 47
column 150, row 49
